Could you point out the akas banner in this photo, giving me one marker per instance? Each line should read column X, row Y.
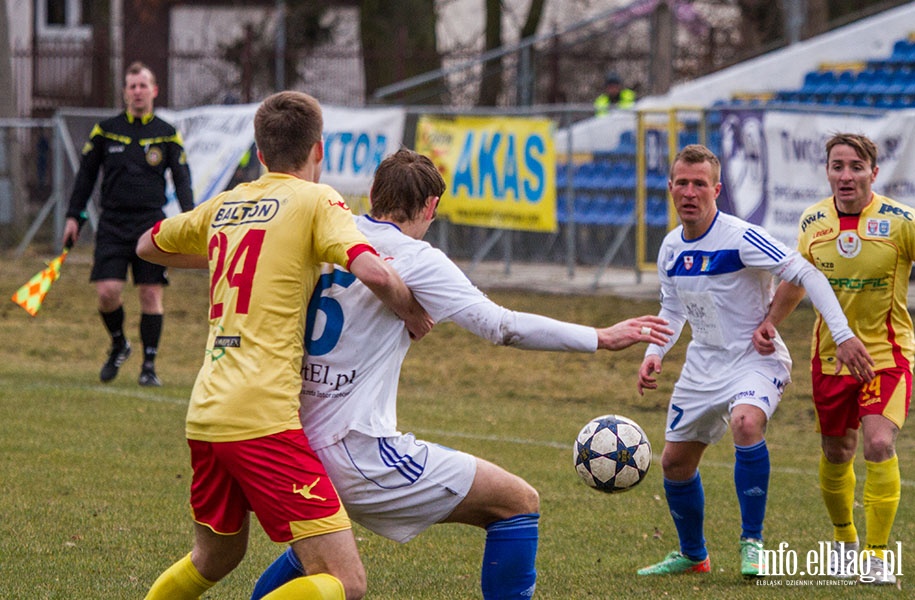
column 499, row 172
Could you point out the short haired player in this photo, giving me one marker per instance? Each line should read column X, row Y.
column 263, row 243
column 392, row 483
column 865, row 243
column 717, row 272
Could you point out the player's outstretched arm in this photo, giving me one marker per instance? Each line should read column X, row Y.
column 529, row 331
column 650, row 329
column 147, row 250
column 385, row 283
column 647, row 380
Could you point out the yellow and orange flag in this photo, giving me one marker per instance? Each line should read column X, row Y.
column 31, row 295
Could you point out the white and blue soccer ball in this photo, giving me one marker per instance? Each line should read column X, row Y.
column 612, row 454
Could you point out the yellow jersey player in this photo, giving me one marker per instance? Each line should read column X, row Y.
column 263, row 243
column 865, row 244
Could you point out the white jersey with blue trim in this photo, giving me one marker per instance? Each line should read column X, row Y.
column 355, row 345
column 722, row 284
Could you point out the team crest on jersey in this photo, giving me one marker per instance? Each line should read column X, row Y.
column 878, row 227
column 154, row 156
column 688, row 262
column 848, row 244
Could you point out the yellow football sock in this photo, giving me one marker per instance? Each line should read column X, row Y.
column 881, row 499
column 837, row 485
column 181, row 581
column 311, row 587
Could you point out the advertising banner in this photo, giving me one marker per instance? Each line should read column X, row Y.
column 217, row 138
column 499, row 172
column 774, row 162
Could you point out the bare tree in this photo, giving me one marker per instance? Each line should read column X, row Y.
column 492, row 84
column 761, row 24
column 398, row 42
column 7, row 90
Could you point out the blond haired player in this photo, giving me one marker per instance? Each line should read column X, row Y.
column 718, row 273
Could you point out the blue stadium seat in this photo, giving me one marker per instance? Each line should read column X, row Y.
column 688, row 137
column 656, row 211
column 812, row 81
column 602, row 210
column 603, row 176
column 903, row 54
column 843, row 84
column 863, row 82
column 713, row 119
column 896, row 83
column 622, row 209
column 656, row 182
column 562, row 175
column 562, row 214
column 584, row 178
column 582, row 208
column 627, row 143
column 828, row 80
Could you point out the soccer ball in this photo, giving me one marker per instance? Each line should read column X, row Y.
column 612, row 454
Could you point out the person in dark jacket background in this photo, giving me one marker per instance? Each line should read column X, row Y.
column 133, row 149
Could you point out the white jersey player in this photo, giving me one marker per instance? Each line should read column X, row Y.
column 392, row 483
column 718, row 273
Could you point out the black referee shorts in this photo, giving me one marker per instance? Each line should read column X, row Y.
column 112, row 259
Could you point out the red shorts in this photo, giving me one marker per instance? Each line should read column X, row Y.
column 278, row 477
column 840, row 401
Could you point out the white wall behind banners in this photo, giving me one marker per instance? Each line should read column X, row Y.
column 774, row 162
column 217, row 137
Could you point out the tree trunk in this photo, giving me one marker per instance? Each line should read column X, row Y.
column 398, row 42
column 101, row 55
column 492, row 83
column 817, row 18
column 491, row 80
column 8, row 106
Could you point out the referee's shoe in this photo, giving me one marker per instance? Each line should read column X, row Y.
column 116, row 357
column 148, row 377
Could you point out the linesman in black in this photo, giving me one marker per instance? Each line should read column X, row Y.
column 133, row 150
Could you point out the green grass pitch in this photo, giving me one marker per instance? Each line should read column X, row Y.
column 94, row 478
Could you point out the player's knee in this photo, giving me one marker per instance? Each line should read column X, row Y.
column 839, row 454
column 748, row 427
column 879, row 448
column 678, row 466
column 528, row 500
column 354, row 584
column 216, row 565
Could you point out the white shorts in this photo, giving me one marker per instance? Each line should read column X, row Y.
column 703, row 415
column 397, row 486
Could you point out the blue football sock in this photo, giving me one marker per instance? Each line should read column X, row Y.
column 686, row 501
column 508, row 560
column 751, row 479
column 283, row 570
